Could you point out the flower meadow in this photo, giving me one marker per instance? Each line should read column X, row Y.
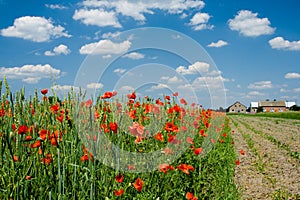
column 113, row 147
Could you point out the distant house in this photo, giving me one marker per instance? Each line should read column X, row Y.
column 237, row 107
column 289, row 104
column 272, row 106
column 253, row 107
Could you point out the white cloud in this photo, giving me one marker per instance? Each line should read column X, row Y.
column 281, row 43
column 137, row 9
column 36, row 29
column 292, row 75
column 211, row 82
column 125, row 89
column 58, row 50
column 134, row 56
column 105, row 47
column 30, row 73
column 56, row 6
column 255, row 93
column 219, row 43
column 159, row 87
column 65, row 88
column 119, row 71
column 260, row 85
column 94, row 86
column 199, row 21
column 97, row 17
column 171, row 80
column 297, row 90
column 248, row 24
column 110, row 35
column 196, row 68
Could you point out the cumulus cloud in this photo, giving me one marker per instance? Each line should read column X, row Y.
column 260, row 85
column 94, row 86
column 248, row 24
column 159, row 87
column 211, row 82
column 105, row 47
column 292, row 75
column 197, row 67
column 138, row 9
column 219, row 43
column 255, row 93
column 134, row 55
column 30, row 73
column 199, row 21
column 56, row 6
column 171, row 80
column 110, row 35
column 97, row 17
column 36, row 29
column 282, row 44
column 119, row 71
column 65, row 88
column 58, row 50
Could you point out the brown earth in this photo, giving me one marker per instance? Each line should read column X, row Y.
column 267, row 170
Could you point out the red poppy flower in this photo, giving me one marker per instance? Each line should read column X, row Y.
column 158, row 102
column 237, row 162
column 119, row 178
column 83, row 158
column 44, row 91
column 113, row 127
column 131, row 96
column 43, row 134
column 183, row 101
column 168, row 97
column 54, row 108
column 22, row 129
column 47, row 160
column 159, row 137
column 198, row 151
column 131, row 167
column 138, row 184
column 185, row 168
column 170, row 127
column 190, row 196
column 16, row 158
column 189, row 140
column 119, row 192
column 36, row 144
column 28, row 137
column 28, row 177
column 165, row 167
column 242, row 152
column 168, row 151
column 224, row 134
column 89, row 103
column 175, row 94
column 60, row 118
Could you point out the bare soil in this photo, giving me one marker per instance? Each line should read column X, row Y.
column 267, row 170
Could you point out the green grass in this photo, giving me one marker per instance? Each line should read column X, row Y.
column 67, row 177
column 283, row 115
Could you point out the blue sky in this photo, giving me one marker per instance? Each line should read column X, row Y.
column 211, row 52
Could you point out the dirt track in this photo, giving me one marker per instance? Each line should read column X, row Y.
column 270, row 168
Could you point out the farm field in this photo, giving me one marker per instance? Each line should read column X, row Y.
column 141, row 148
column 75, row 149
column 270, row 166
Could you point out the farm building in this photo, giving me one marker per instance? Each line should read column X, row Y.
column 253, row 107
column 289, row 104
column 237, row 107
column 272, row 106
